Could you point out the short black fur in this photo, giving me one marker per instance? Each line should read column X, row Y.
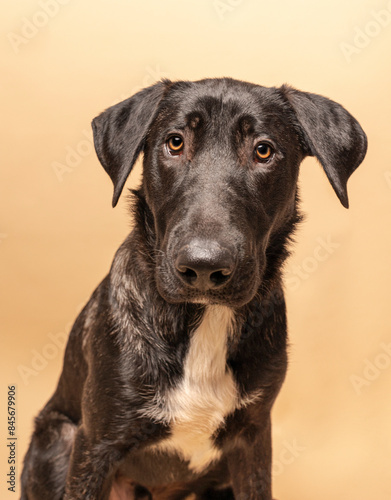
column 212, row 231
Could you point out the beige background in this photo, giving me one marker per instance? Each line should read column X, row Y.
column 58, row 232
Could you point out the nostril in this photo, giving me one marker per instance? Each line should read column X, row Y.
column 220, row 277
column 188, row 274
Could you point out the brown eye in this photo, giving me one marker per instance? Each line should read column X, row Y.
column 175, row 144
column 263, row 152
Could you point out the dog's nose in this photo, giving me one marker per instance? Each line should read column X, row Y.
column 204, row 264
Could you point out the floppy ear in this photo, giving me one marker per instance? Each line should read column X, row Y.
column 331, row 134
column 120, row 131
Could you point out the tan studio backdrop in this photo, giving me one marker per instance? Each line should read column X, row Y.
column 64, row 61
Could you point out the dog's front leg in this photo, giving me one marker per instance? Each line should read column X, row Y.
column 250, row 466
column 90, row 468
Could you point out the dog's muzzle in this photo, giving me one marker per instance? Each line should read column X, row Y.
column 205, row 264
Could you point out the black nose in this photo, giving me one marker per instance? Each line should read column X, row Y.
column 204, row 264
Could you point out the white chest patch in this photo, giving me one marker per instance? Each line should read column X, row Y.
column 205, row 395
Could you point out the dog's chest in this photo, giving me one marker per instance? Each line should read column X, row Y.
column 206, row 394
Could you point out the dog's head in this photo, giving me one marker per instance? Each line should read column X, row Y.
column 221, row 161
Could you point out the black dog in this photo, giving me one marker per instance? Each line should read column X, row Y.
column 173, row 366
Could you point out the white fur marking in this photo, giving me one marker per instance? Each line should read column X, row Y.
column 206, row 394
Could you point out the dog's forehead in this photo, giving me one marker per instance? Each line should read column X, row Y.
column 222, row 100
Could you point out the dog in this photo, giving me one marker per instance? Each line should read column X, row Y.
column 173, row 366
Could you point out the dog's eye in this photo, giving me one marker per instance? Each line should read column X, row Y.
column 175, row 144
column 263, row 152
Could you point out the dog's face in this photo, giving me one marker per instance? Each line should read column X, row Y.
column 221, row 161
column 220, row 171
